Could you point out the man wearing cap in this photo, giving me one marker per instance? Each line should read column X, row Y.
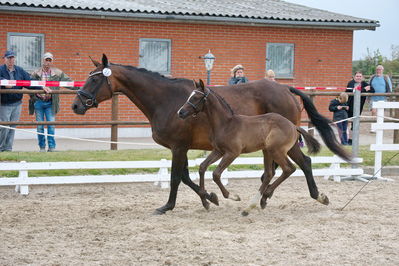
column 46, row 106
column 237, row 75
column 10, row 107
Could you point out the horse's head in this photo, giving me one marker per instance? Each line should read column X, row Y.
column 195, row 102
column 98, row 87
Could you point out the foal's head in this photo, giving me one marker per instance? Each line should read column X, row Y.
column 98, row 87
column 195, row 102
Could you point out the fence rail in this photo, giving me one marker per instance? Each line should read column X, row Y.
column 160, row 178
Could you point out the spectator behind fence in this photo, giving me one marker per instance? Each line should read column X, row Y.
column 46, row 106
column 340, row 109
column 270, row 75
column 237, row 75
column 11, row 103
column 381, row 84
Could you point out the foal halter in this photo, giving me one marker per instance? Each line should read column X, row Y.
column 203, row 99
column 91, row 98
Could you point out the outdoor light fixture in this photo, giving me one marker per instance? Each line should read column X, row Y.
column 209, row 58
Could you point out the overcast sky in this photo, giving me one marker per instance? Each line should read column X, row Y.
column 385, row 11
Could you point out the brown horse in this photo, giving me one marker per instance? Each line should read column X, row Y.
column 159, row 98
column 232, row 134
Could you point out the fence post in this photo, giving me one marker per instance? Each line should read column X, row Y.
column 355, row 125
column 114, row 117
column 310, row 125
column 396, row 131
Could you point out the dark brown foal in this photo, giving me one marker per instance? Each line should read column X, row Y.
column 233, row 134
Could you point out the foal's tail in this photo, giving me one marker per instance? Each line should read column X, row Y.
column 312, row 143
column 322, row 125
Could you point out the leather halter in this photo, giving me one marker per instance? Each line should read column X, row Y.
column 203, row 99
column 91, row 100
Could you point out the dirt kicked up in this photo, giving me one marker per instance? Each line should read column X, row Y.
column 113, row 225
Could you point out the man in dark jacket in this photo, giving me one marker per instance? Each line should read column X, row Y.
column 10, row 107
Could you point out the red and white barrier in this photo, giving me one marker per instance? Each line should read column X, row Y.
column 39, row 83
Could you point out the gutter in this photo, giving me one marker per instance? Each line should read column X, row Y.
column 185, row 18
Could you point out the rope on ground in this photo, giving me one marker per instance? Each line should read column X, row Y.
column 368, row 182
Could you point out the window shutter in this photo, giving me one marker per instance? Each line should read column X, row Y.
column 280, row 58
column 155, row 55
column 29, row 49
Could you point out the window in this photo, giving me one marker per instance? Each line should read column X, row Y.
column 280, row 58
column 29, row 49
column 155, row 55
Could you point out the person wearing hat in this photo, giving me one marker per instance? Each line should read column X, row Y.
column 237, row 75
column 46, row 106
column 11, row 103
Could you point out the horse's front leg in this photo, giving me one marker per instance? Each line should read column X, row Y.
column 179, row 162
column 224, row 163
column 212, row 157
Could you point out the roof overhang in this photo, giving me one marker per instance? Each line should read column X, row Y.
column 67, row 12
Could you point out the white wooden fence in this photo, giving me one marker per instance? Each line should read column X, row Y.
column 161, row 178
column 379, row 127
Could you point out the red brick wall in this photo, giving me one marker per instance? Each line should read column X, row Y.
column 322, row 57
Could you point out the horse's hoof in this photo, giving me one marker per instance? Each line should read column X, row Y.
column 205, row 203
column 323, row 199
column 235, row 198
column 159, row 211
column 244, row 213
column 263, row 203
column 214, row 199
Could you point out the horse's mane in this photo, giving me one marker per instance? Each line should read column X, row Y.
column 223, row 101
column 153, row 74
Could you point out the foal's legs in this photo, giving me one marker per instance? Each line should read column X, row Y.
column 267, row 190
column 224, row 163
column 270, row 168
column 305, row 163
column 212, row 157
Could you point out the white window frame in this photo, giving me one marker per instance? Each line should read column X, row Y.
column 169, row 53
column 269, row 63
column 19, row 61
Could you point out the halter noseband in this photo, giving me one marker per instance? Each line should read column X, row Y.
column 203, row 99
column 91, row 98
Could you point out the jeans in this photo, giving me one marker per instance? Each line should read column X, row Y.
column 342, row 127
column 44, row 110
column 8, row 112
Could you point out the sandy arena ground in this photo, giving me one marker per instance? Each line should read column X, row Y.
column 112, row 224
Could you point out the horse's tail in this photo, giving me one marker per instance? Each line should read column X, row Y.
column 312, row 143
column 322, row 125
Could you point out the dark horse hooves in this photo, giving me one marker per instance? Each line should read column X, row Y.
column 214, row 198
column 323, row 199
column 163, row 209
column 244, row 213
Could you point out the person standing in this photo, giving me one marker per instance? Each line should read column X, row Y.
column 340, row 109
column 237, row 75
column 11, row 103
column 46, row 106
column 381, row 84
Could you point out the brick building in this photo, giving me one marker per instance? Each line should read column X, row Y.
column 304, row 46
